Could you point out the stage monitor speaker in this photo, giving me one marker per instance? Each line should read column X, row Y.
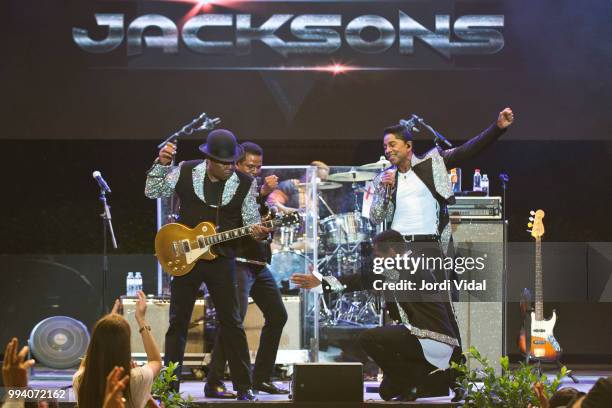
column 158, row 314
column 480, row 315
column 59, row 342
column 292, row 332
column 327, row 382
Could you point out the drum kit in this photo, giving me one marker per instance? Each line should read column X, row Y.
column 343, row 247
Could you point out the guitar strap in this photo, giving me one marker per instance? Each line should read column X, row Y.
column 217, row 217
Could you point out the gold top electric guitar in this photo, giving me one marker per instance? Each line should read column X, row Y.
column 178, row 247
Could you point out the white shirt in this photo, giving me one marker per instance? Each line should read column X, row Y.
column 141, row 380
column 438, row 354
column 416, row 210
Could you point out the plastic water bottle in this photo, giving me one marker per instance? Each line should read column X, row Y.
column 476, row 186
column 137, row 282
column 455, row 179
column 484, row 184
column 129, row 284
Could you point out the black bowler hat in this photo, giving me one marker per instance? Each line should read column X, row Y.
column 221, row 146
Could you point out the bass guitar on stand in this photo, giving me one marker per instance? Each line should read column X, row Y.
column 541, row 345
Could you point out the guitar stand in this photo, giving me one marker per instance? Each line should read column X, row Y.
column 539, row 362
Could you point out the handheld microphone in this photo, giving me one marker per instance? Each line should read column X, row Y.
column 98, row 177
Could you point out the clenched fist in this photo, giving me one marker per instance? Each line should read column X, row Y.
column 505, row 118
column 166, row 154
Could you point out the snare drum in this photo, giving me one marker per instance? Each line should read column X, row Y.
column 347, row 228
column 286, row 263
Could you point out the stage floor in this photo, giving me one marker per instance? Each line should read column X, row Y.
column 196, row 390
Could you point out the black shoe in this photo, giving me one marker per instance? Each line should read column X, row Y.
column 459, row 394
column 218, row 391
column 387, row 390
column 269, row 388
column 246, row 395
column 407, row 396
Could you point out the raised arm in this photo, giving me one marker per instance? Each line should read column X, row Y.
column 455, row 156
column 151, row 349
column 162, row 177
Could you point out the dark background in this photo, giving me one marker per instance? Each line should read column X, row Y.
column 67, row 113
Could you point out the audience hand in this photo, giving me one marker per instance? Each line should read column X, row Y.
column 538, row 388
column 117, row 307
column 115, row 384
column 14, row 366
column 141, row 307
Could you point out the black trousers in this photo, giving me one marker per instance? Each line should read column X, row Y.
column 220, row 278
column 400, row 355
column 261, row 286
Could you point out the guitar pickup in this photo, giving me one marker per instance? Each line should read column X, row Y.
column 186, row 246
column 201, row 241
column 176, row 249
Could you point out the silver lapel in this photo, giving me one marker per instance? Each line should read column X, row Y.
column 231, row 185
column 197, row 175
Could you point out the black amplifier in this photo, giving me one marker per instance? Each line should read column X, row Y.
column 476, row 208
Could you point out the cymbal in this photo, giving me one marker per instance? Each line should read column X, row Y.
column 324, row 185
column 379, row 165
column 352, row 176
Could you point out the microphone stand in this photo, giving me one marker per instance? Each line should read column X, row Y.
column 504, row 179
column 437, row 136
column 106, row 225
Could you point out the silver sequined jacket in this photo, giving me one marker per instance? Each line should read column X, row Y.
column 161, row 182
column 431, row 168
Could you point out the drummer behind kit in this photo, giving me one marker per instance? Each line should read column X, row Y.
column 343, row 246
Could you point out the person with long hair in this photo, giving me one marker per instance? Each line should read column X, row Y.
column 109, row 348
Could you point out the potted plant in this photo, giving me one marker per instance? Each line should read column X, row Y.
column 512, row 389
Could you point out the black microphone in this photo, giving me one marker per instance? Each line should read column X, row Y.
column 388, row 194
column 96, row 175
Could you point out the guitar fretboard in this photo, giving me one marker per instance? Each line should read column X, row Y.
column 539, row 291
column 232, row 234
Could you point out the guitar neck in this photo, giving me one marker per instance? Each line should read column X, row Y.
column 539, row 290
column 234, row 234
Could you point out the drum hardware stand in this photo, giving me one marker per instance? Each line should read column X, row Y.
column 331, row 212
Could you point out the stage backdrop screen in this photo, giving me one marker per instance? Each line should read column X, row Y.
column 304, row 69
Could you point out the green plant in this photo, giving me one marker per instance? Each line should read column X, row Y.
column 163, row 391
column 512, row 389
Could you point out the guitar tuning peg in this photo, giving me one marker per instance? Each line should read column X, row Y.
column 530, row 224
column 530, row 218
column 532, row 212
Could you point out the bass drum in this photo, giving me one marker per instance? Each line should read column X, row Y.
column 286, row 263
